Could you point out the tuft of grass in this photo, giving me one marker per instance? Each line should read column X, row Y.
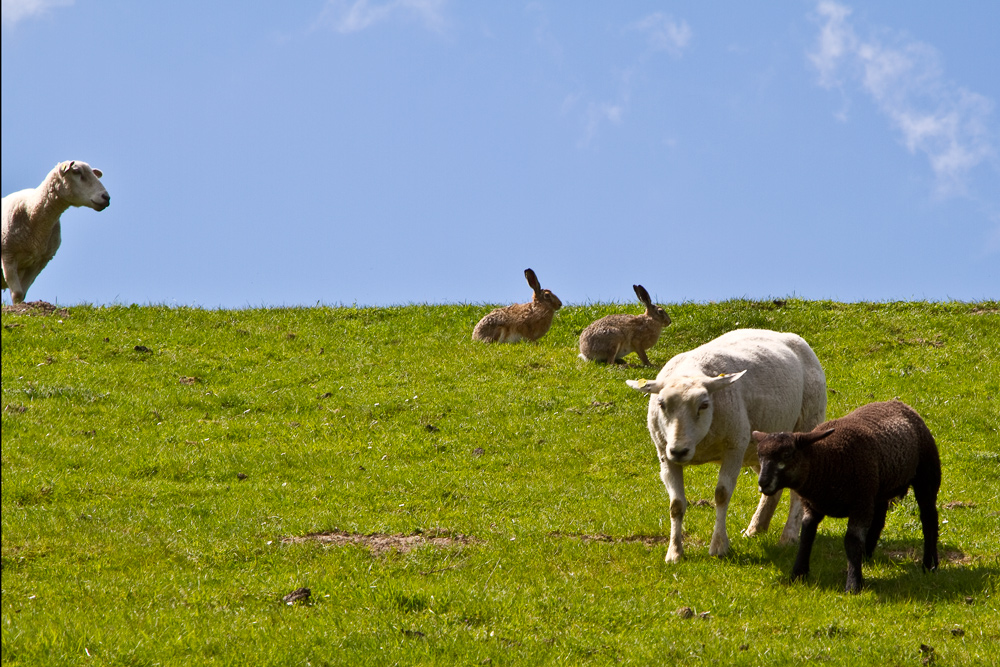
column 171, row 474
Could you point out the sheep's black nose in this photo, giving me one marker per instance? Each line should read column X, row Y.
column 679, row 453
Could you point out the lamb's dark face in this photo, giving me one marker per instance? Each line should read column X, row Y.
column 780, row 462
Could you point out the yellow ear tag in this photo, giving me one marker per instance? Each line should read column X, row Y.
column 641, row 382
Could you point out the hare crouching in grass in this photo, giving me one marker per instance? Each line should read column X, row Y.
column 611, row 338
column 529, row 321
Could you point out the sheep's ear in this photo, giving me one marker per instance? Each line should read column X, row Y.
column 645, row 386
column 66, row 166
column 98, row 172
column 759, row 436
column 715, row 384
column 807, row 439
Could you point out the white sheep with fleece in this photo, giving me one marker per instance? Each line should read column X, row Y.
column 704, row 406
column 31, row 233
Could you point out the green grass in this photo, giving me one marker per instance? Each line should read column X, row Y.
column 149, row 497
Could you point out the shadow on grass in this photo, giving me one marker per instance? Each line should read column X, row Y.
column 900, row 575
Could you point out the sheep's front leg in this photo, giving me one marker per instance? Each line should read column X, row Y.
column 761, row 520
column 13, row 280
column 728, row 474
column 673, row 478
column 793, row 526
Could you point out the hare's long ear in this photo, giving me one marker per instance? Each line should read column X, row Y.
column 532, row 280
column 643, row 295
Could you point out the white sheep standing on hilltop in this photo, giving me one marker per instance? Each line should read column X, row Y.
column 31, row 233
column 704, row 406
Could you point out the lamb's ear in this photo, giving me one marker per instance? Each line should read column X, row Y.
column 759, row 436
column 807, row 439
column 98, row 173
column 643, row 295
column 715, row 384
column 532, row 280
column 645, row 386
column 66, row 166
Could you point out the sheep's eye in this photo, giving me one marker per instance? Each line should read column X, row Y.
column 780, row 466
column 703, row 407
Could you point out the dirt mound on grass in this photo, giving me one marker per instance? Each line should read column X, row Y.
column 648, row 540
column 36, row 308
column 382, row 543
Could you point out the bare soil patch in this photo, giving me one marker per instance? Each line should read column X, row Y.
column 648, row 540
column 382, row 543
column 36, row 308
column 949, row 556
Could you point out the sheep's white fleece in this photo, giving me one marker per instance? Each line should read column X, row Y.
column 31, row 232
column 705, row 404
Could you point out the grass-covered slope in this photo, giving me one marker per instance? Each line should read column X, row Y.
column 479, row 504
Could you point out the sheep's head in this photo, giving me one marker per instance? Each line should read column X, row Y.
column 682, row 408
column 784, row 459
column 80, row 185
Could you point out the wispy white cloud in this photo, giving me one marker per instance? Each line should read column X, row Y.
column 347, row 16
column 13, row 11
column 946, row 123
column 600, row 113
column 664, row 33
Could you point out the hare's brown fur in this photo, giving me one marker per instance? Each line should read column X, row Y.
column 612, row 337
column 527, row 321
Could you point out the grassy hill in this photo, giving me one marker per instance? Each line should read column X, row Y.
column 170, row 474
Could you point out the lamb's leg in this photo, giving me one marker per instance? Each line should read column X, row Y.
column 673, row 478
column 875, row 530
column 810, row 522
column 927, row 502
column 729, row 472
column 854, row 545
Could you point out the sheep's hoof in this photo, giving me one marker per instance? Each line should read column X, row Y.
column 788, row 538
column 673, row 555
column 719, row 546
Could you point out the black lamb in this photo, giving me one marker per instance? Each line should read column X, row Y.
column 853, row 467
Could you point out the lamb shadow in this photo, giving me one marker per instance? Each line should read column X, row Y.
column 958, row 575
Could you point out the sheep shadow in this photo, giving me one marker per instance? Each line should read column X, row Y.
column 899, row 574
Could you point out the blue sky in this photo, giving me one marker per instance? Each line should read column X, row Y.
column 407, row 151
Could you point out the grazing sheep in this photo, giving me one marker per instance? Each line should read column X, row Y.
column 31, row 232
column 529, row 321
column 701, row 411
column 612, row 337
column 853, row 467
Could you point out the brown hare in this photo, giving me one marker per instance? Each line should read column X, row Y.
column 611, row 338
column 529, row 321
